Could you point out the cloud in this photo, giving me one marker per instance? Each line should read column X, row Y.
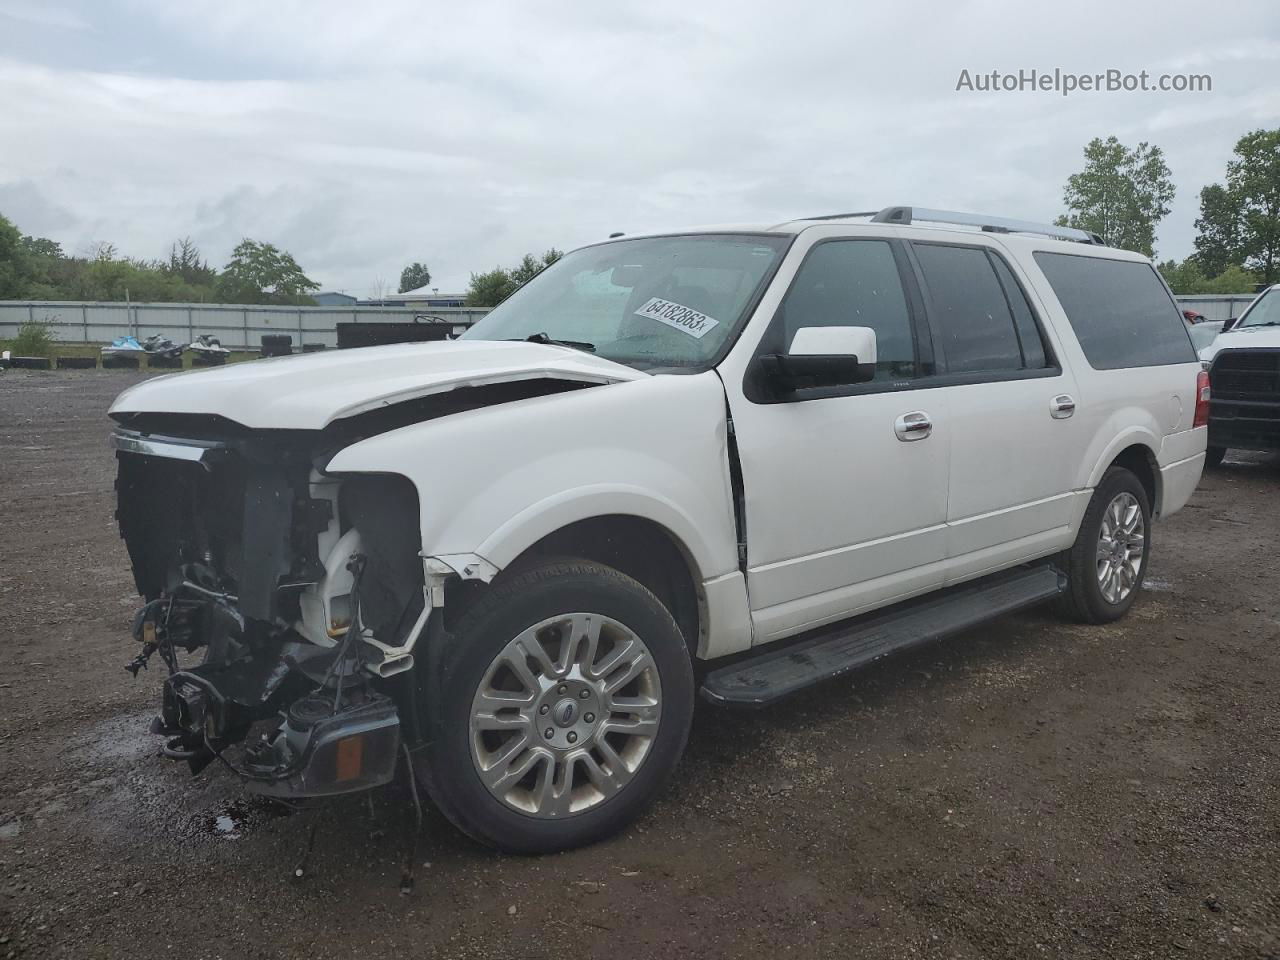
column 363, row 137
column 22, row 202
column 42, row 15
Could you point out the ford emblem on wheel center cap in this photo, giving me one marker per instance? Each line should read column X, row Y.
column 566, row 711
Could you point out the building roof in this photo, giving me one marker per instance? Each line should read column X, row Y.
column 425, row 292
column 332, row 297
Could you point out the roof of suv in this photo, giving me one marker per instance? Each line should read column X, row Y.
column 1025, row 234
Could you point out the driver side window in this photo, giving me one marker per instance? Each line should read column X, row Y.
column 855, row 283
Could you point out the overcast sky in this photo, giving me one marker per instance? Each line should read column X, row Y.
column 361, row 136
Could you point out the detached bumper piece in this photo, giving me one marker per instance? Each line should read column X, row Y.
column 198, row 717
column 318, row 750
column 319, row 753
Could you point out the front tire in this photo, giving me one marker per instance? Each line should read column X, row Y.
column 564, row 695
column 1107, row 563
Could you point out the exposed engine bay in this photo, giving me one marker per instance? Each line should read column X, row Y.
column 285, row 603
column 293, row 596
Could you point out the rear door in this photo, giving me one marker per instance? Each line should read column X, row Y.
column 1015, row 440
column 845, row 506
column 1131, row 343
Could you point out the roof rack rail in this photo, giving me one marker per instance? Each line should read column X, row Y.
column 843, row 216
column 906, row 215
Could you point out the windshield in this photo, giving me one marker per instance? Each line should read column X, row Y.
column 1264, row 312
column 650, row 302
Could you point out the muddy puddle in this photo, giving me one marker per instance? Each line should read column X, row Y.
column 126, row 788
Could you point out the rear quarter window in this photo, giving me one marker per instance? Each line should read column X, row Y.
column 1120, row 311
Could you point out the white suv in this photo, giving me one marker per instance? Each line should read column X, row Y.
column 736, row 461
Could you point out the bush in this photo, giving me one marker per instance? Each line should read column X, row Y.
column 33, row 340
column 1187, row 278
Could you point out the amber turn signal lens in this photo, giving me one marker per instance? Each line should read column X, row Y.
column 350, row 758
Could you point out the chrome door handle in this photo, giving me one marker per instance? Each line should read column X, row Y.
column 1061, row 406
column 913, row 426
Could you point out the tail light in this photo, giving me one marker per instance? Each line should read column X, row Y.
column 1202, row 400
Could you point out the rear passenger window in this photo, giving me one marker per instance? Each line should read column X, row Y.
column 1120, row 311
column 972, row 312
column 1034, row 353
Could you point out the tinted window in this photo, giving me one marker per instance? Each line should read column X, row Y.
column 1034, row 352
column 1119, row 309
column 854, row 283
column 971, row 313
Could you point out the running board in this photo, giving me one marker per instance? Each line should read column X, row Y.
column 760, row 680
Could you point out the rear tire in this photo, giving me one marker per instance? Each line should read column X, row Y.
column 563, row 702
column 1108, row 561
column 1213, row 457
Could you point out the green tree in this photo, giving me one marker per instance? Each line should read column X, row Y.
column 186, row 263
column 1240, row 222
column 1183, row 277
column 531, row 266
column 47, row 273
column 1234, row 279
column 413, row 276
column 263, row 273
column 1188, row 277
column 1218, row 226
column 16, row 268
column 107, row 278
column 491, row 288
column 47, row 265
column 52, row 275
column 1254, row 179
column 1121, row 194
column 40, row 247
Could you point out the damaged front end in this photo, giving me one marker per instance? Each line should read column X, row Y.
column 284, row 603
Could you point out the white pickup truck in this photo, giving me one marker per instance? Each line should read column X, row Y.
column 734, row 461
column 1244, row 371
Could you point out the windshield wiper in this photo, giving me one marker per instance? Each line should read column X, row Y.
column 546, row 338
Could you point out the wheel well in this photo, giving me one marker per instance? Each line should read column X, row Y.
column 1142, row 462
column 640, row 548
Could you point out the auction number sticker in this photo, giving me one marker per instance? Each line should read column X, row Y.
column 683, row 318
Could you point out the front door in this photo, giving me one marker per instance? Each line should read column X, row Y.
column 845, row 489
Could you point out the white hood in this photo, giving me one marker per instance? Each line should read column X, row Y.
column 1242, row 338
column 309, row 391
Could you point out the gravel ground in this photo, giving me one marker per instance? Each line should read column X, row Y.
column 1027, row 789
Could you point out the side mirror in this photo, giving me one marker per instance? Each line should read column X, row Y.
column 823, row 357
column 1228, row 324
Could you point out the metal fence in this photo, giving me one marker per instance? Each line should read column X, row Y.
column 242, row 327
column 1217, row 306
column 236, row 326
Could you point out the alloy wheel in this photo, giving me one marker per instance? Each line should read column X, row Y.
column 565, row 715
column 1121, row 546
